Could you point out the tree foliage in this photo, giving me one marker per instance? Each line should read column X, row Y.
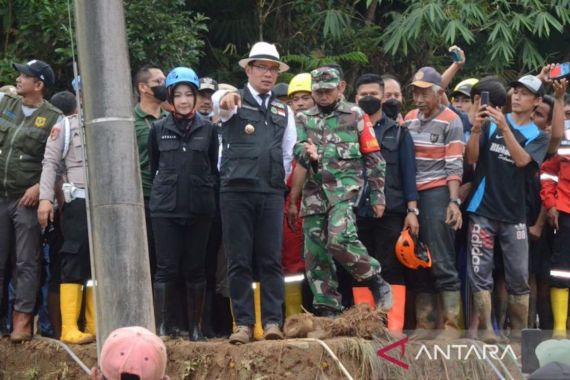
column 504, row 37
column 163, row 32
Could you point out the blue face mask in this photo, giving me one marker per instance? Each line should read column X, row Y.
column 566, row 124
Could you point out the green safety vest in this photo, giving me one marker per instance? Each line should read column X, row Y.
column 22, row 144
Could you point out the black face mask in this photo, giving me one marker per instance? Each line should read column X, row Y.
column 369, row 104
column 391, row 108
column 328, row 109
column 160, row 92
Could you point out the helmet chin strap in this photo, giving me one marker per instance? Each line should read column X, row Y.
column 179, row 115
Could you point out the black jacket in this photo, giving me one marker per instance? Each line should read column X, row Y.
column 183, row 164
column 252, row 157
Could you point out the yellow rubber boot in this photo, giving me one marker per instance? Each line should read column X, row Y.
column 293, row 298
column 70, row 298
column 396, row 314
column 258, row 328
column 559, row 301
column 90, row 327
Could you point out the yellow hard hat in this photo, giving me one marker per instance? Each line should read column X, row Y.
column 300, row 82
column 464, row 87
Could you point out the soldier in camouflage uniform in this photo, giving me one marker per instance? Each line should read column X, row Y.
column 336, row 146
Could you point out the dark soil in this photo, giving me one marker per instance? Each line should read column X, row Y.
column 354, row 337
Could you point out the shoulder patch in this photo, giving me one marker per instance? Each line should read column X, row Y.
column 54, row 134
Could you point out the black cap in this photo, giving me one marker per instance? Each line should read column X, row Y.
column 280, row 89
column 38, row 69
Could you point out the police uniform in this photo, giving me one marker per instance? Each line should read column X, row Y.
column 23, row 135
column 65, row 155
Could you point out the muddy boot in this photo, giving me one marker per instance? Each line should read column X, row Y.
column 425, row 316
column 21, row 327
column 195, row 294
column 451, row 305
column 482, row 302
column 327, row 312
column 518, row 314
column 382, row 292
column 243, row 335
column 272, row 331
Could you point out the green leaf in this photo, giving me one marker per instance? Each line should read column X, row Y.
column 530, row 56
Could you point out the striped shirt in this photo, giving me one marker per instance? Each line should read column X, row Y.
column 439, row 148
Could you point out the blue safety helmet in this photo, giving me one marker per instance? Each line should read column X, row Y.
column 182, row 75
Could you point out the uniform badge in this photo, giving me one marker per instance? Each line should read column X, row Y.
column 54, row 133
column 40, row 122
column 249, row 129
column 433, row 137
column 273, row 110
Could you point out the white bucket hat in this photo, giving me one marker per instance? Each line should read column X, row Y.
column 263, row 51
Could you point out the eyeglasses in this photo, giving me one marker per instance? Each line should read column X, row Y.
column 264, row 69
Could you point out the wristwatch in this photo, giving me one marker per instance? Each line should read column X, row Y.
column 457, row 201
column 414, row 210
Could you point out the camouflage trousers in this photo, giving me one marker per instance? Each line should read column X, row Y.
column 333, row 236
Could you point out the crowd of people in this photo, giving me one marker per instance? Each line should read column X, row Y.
column 277, row 197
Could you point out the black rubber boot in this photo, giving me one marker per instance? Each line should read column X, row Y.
column 207, row 316
column 163, row 310
column 195, row 294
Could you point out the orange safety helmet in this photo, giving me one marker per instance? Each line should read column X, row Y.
column 411, row 252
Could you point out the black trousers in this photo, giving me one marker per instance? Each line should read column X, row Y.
column 252, row 225
column 74, row 253
column 560, row 259
column 180, row 245
column 150, row 239
column 380, row 237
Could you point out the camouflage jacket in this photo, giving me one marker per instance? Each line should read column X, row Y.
column 339, row 173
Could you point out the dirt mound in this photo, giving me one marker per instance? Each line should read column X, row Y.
column 359, row 321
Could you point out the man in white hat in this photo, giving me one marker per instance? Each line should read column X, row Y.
column 257, row 148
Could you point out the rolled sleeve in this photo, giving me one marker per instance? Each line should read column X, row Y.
column 224, row 115
column 289, row 140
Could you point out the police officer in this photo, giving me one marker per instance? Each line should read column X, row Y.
column 25, row 125
column 333, row 139
column 258, row 138
column 183, row 151
column 65, row 153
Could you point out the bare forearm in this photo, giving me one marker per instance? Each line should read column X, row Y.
column 518, row 154
column 298, row 180
column 557, row 131
column 472, row 148
column 453, row 187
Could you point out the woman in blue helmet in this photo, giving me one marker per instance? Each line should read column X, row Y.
column 183, row 152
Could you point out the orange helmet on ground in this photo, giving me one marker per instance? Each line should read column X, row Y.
column 411, row 252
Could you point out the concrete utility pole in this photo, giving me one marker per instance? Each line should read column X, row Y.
column 119, row 255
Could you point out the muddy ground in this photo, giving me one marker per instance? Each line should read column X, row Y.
column 355, row 338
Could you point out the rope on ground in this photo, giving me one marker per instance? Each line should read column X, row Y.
column 493, row 367
column 69, row 351
column 332, row 355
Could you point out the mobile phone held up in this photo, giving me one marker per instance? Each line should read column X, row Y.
column 560, row 71
column 455, row 55
column 484, row 98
